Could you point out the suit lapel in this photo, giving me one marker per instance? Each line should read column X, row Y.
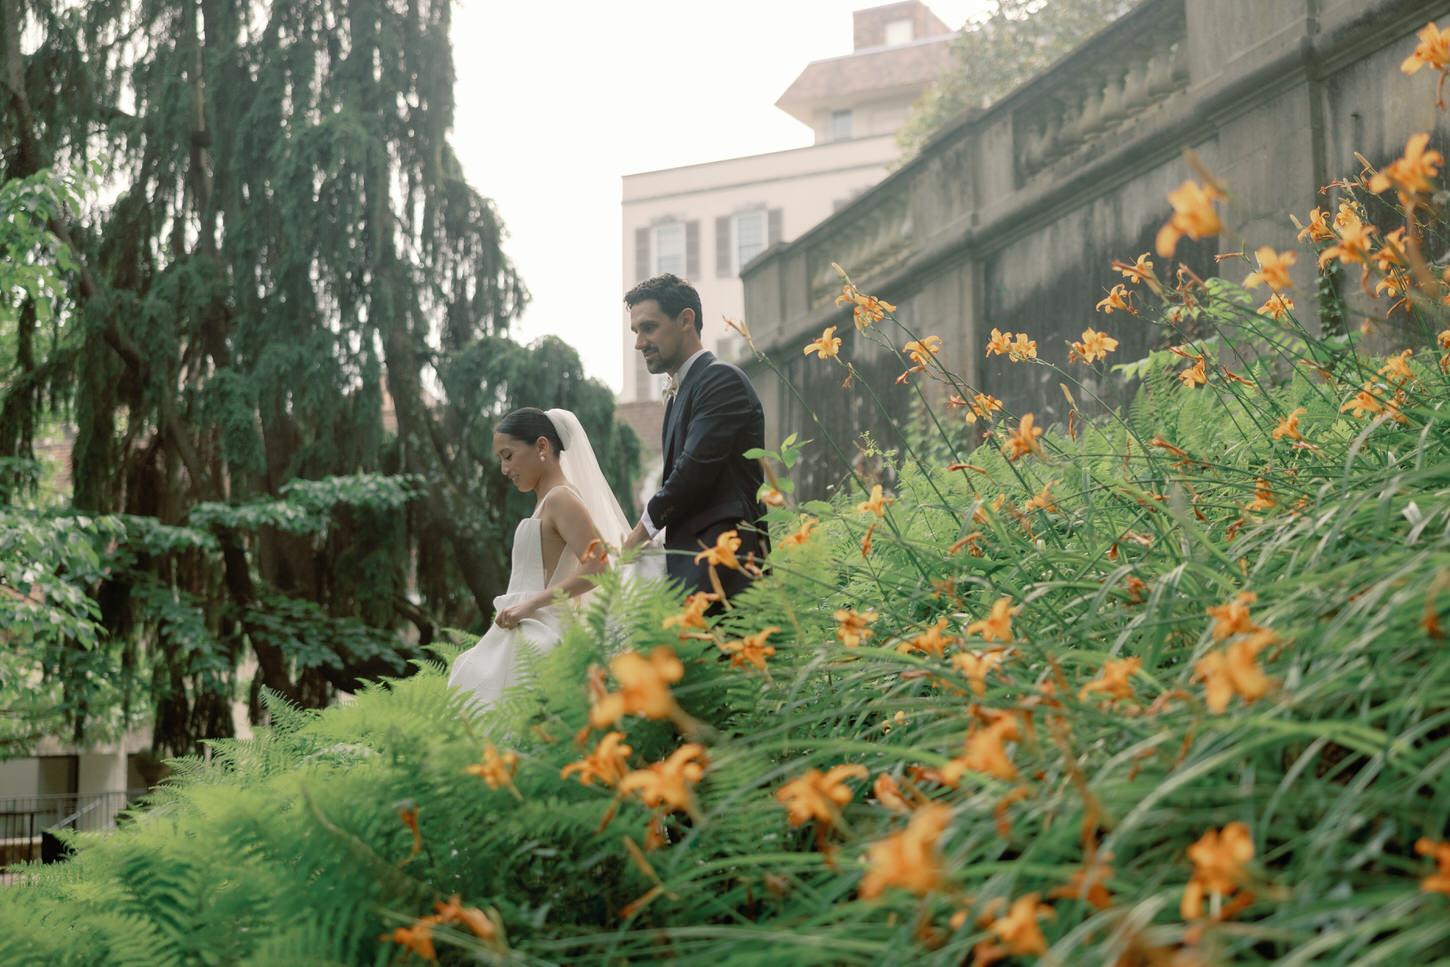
column 674, row 436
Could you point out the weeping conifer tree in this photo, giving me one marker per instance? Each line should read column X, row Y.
column 286, row 250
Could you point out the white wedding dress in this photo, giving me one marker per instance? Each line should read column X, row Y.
column 497, row 661
column 493, row 665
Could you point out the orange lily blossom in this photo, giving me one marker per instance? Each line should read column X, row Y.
column 643, row 687
column 888, row 793
column 908, row 859
column 1397, row 367
column 1366, row 401
column 694, row 614
column 1273, row 268
column 670, row 783
column 997, row 626
column 1439, row 881
column 1194, row 375
column 751, row 648
column 851, row 627
column 977, row 665
column 609, row 762
column 417, row 938
column 1233, row 618
column 865, row 309
column 1022, row 348
column 1142, row 268
column 1318, row 229
column 1355, row 238
column 1113, row 681
column 1087, row 885
column 921, row 351
column 819, row 795
column 1018, row 930
column 723, row 553
column 1263, row 497
column 1289, row 425
column 1433, row 50
column 825, row 347
column 1277, row 306
column 1410, row 173
column 1234, row 670
column 1193, row 215
column 1024, row 440
column 802, row 534
column 1118, row 297
column 1094, row 345
column 876, row 503
column 932, row 641
column 473, row 918
column 1218, row 866
column 999, row 343
column 497, row 769
column 986, row 752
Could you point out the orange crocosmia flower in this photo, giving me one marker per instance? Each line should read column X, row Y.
column 932, row 641
column 819, row 795
column 1233, row 618
column 1000, row 343
column 922, row 351
column 694, row 614
column 1234, row 670
column 1117, row 298
column 876, row 503
column 1218, row 866
column 723, row 553
column 825, row 347
column 1142, row 268
column 1263, row 497
column 1113, row 682
column 669, row 783
column 1024, row 440
column 1018, row 930
column 1439, row 881
column 1433, row 50
column 866, row 541
column 1087, row 886
column 1391, row 255
column 1273, row 268
column 1355, row 238
column 851, row 627
column 1397, row 367
column 751, row 648
column 473, row 918
column 1442, row 338
column 1289, row 425
column 1193, row 215
column 770, row 496
column 1366, row 401
column 1041, row 500
column 997, row 626
column 417, row 938
column 497, row 769
column 865, row 309
column 982, row 406
column 908, row 859
column 1318, row 229
column 977, row 665
column 1194, row 375
column 1094, row 345
column 643, row 687
column 1277, row 306
column 888, row 794
column 1411, row 173
column 1022, row 348
column 986, row 752
column 608, row 762
column 802, row 534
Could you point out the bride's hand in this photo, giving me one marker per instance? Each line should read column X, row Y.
column 510, row 617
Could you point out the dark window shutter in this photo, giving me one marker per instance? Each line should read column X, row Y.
column 642, row 268
column 692, row 249
column 774, row 227
column 722, row 246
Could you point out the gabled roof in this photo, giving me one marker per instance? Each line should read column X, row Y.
column 885, row 70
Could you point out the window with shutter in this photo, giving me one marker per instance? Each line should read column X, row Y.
column 750, row 236
column 776, row 230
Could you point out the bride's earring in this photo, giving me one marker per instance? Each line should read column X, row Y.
column 541, row 456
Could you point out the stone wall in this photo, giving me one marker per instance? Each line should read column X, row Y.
column 1011, row 216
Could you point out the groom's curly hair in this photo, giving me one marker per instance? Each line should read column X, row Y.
column 673, row 294
column 528, row 423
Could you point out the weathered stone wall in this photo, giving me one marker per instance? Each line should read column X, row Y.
column 1011, row 217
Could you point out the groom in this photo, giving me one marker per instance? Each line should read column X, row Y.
column 712, row 416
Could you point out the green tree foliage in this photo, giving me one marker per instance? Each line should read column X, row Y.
column 286, row 254
column 996, row 52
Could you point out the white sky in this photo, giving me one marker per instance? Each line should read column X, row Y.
column 557, row 99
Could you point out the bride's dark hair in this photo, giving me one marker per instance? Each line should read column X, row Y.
column 528, row 423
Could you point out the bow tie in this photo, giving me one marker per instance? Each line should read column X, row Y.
column 672, row 389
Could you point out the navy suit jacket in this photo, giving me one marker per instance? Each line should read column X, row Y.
column 708, row 486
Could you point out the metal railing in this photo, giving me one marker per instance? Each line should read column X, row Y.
column 23, row 821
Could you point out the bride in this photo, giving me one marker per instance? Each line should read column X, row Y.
column 548, row 455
